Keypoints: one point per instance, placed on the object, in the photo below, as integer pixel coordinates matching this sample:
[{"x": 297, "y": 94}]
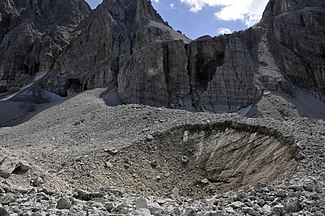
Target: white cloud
[
  {"x": 222, "y": 31},
  {"x": 172, "y": 6},
  {"x": 248, "y": 11},
  {"x": 157, "y": 1}
]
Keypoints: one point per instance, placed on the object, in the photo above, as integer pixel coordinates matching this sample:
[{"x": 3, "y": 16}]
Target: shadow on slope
[{"x": 20, "y": 107}]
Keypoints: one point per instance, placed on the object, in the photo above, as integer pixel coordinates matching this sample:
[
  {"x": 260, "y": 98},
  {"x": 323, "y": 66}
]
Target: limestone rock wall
[
  {"x": 214, "y": 74},
  {"x": 32, "y": 34},
  {"x": 115, "y": 30},
  {"x": 299, "y": 47},
  {"x": 227, "y": 73}
]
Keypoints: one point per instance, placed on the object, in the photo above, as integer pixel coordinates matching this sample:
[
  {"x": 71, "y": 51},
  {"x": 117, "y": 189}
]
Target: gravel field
[{"x": 80, "y": 157}]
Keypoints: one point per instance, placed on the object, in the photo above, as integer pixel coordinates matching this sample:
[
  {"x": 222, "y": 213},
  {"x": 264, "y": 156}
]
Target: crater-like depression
[{"x": 201, "y": 160}]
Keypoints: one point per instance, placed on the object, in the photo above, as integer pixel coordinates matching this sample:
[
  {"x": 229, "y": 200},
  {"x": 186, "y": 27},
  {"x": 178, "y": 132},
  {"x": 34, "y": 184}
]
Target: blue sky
[{"x": 196, "y": 18}]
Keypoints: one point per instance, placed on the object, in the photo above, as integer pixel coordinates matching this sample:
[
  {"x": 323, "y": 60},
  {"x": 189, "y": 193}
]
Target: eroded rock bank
[{"x": 202, "y": 160}]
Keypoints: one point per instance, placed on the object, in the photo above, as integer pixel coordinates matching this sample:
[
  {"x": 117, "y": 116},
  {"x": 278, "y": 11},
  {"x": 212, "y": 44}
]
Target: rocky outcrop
[
  {"x": 222, "y": 72},
  {"x": 115, "y": 30},
  {"x": 207, "y": 74},
  {"x": 154, "y": 74},
  {"x": 227, "y": 73},
  {"x": 296, "y": 35},
  {"x": 32, "y": 34}
]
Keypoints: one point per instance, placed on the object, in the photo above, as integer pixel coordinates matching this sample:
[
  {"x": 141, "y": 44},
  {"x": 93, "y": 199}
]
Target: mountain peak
[{"x": 137, "y": 10}]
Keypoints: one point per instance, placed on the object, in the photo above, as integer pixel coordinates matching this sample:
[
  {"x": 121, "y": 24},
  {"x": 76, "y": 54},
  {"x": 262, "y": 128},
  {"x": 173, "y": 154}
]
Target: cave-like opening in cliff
[
  {"x": 74, "y": 84},
  {"x": 207, "y": 69}
]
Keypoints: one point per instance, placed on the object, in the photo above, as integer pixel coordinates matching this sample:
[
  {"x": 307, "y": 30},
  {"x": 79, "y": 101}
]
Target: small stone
[
  {"x": 292, "y": 205},
  {"x": 266, "y": 209},
  {"x": 36, "y": 182},
  {"x": 185, "y": 160},
  {"x": 205, "y": 181},
  {"x": 278, "y": 209},
  {"x": 109, "y": 206},
  {"x": 108, "y": 164},
  {"x": 237, "y": 204},
  {"x": 122, "y": 209},
  {"x": 249, "y": 211},
  {"x": 299, "y": 156},
  {"x": 7, "y": 199},
  {"x": 161, "y": 201},
  {"x": 3, "y": 212},
  {"x": 260, "y": 202},
  {"x": 252, "y": 192},
  {"x": 153, "y": 164},
  {"x": 185, "y": 136},
  {"x": 309, "y": 186},
  {"x": 141, "y": 203},
  {"x": 149, "y": 137},
  {"x": 155, "y": 209},
  {"x": 63, "y": 203},
  {"x": 296, "y": 187},
  {"x": 230, "y": 210},
  {"x": 7, "y": 166},
  {"x": 281, "y": 193},
  {"x": 175, "y": 191},
  {"x": 112, "y": 151},
  {"x": 300, "y": 145},
  {"x": 142, "y": 212},
  {"x": 267, "y": 93},
  {"x": 23, "y": 166},
  {"x": 82, "y": 195},
  {"x": 241, "y": 195}
]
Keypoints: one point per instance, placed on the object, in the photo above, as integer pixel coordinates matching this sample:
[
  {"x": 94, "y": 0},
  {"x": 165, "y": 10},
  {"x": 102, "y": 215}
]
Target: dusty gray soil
[{"x": 212, "y": 161}]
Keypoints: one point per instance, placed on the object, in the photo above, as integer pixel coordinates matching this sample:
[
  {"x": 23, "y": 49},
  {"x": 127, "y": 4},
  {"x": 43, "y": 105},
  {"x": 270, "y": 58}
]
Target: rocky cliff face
[
  {"x": 206, "y": 74},
  {"x": 114, "y": 31},
  {"x": 32, "y": 34},
  {"x": 296, "y": 36},
  {"x": 285, "y": 51},
  {"x": 126, "y": 47}
]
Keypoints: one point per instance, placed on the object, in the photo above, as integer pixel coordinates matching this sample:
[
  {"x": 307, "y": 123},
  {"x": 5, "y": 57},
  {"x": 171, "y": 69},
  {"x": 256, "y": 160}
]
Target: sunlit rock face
[
  {"x": 126, "y": 47},
  {"x": 115, "y": 30}
]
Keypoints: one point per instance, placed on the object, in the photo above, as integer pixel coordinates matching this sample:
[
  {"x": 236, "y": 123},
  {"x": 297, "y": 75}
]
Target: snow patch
[
  {"x": 50, "y": 97},
  {"x": 244, "y": 111},
  {"x": 208, "y": 111}
]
